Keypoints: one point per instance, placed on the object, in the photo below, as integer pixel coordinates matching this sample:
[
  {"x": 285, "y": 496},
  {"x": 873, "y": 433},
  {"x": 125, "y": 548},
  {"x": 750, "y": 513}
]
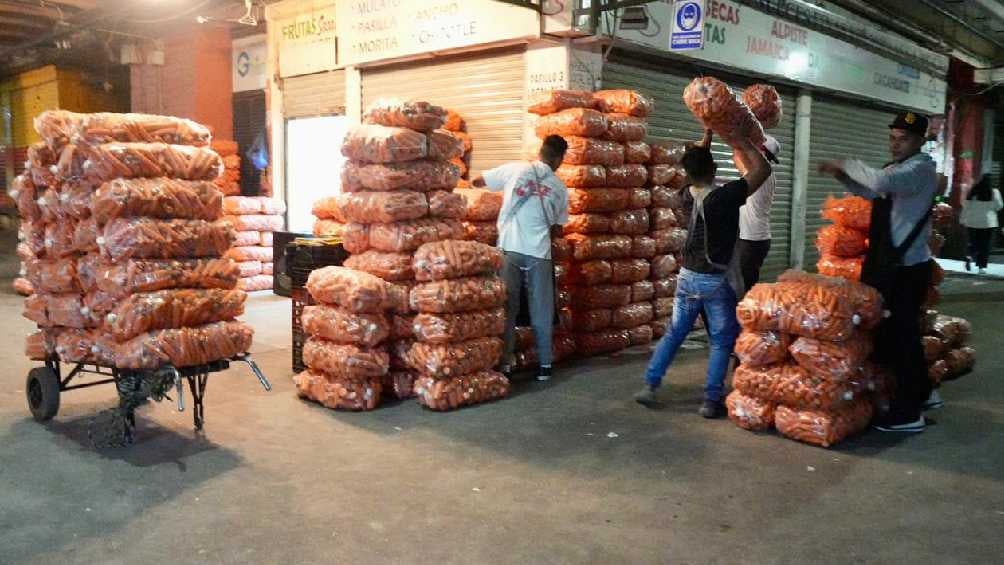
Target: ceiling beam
[
  {"x": 9, "y": 7},
  {"x": 78, "y": 4},
  {"x": 16, "y": 33},
  {"x": 31, "y": 23}
]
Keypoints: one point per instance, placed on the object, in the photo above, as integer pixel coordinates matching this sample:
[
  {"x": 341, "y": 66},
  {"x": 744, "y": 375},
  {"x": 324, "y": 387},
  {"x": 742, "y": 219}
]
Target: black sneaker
[
  {"x": 914, "y": 427},
  {"x": 712, "y": 409},
  {"x": 646, "y": 397},
  {"x": 544, "y": 374},
  {"x": 969, "y": 263}
]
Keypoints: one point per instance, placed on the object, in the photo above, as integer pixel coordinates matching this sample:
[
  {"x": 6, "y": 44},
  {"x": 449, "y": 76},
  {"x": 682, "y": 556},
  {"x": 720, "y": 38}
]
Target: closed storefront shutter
[
  {"x": 320, "y": 94},
  {"x": 841, "y": 129},
  {"x": 672, "y": 120},
  {"x": 249, "y": 121},
  {"x": 486, "y": 89}
]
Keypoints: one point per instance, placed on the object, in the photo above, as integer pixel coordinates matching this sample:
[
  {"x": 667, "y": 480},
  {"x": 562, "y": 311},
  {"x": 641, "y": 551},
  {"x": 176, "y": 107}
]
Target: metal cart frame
[{"x": 44, "y": 386}]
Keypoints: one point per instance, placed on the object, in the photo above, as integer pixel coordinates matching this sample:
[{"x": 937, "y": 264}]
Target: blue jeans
[
  {"x": 696, "y": 292},
  {"x": 537, "y": 275}
]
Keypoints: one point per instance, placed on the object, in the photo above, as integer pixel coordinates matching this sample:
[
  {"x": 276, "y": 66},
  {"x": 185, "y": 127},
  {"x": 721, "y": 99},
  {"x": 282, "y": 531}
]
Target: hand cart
[{"x": 44, "y": 386}]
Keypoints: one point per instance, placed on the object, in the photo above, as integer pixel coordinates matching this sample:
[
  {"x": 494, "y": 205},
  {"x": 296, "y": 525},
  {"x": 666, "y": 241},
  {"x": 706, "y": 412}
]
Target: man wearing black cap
[{"x": 898, "y": 263}]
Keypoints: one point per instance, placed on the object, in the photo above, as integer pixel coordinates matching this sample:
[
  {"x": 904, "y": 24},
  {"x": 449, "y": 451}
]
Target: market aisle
[{"x": 567, "y": 472}]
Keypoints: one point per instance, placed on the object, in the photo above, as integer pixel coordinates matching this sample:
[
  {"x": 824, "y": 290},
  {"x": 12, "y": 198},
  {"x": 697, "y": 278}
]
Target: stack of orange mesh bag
[
  {"x": 456, "y": 125},
  {"x": 254, "y": 219},
  {"x": 397, "y": 195},
  {"x": 669, "y": 217},
  {"x": 229, "y": 182},
  {"x": 843, "y": 244},
  {"x": 608, "y": 230},
  {"x": 328, "y": 218},
  {"x": 346, "y": 353},
  {"x": 125, "y": 245},
  {"x": 947, "y": 347},
  {"x": 460, "y": 315},
  {"x": 803, "y": 351}
]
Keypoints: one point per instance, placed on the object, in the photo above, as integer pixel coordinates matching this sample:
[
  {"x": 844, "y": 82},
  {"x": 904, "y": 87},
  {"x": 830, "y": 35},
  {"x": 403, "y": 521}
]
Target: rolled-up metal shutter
[
  {"x": 840, "y": 129},
  {"x": 320, "y": 94},
  {"x": 672, "y": 120},
  {"x": 249, "y": 121},
  {"x": 485, "y": 88}
]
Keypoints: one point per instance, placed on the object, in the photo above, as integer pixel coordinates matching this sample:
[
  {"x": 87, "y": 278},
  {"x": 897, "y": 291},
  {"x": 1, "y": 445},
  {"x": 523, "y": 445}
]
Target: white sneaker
[
  {"x": 982, "y": 271},
  {"x": 914, "y": 427},
  {"x": 934, "y": 401}
]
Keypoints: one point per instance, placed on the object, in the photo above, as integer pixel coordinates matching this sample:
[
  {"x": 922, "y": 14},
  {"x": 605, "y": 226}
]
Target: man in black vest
[{"x": 898, "y": 263}]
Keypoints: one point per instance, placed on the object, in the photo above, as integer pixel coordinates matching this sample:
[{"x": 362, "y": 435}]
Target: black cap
[{"x": 910, "y": 121}]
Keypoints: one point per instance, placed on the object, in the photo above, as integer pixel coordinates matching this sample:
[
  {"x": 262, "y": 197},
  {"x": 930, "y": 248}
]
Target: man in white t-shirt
[
  {"x": 754, "y": 219},
  {"x": 534, "y": 209}
]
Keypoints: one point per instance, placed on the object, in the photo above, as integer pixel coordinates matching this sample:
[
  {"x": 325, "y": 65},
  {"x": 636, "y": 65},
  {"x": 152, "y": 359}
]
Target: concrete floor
[{"x": 568, "y": 472}]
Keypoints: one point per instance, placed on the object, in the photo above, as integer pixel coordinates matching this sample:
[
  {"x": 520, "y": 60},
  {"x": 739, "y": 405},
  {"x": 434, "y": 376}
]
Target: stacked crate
[
  {"x": 396, "y": 196},
  {"x": 611, "y": 250},
  {"x": 126, "y": 244},
  {"x": 254, "y": 218}
]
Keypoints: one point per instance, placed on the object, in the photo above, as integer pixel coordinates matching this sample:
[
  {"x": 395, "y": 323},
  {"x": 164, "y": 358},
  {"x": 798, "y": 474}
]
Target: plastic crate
[
  {"x": 281, "y": 283},
  {"x": 303, "y": 258},
  {"x": 300, "y": 298}
]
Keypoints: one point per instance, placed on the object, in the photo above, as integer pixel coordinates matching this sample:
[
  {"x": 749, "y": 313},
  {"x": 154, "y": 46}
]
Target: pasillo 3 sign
[{"x": 688, "y": 25}]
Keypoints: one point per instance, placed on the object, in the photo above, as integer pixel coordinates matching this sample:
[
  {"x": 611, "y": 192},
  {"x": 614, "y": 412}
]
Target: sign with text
[
  {"x": 688, "y": 25},
  {"x": 307, "y": 42},
  {"x": 738, "y": 36},
  {"x": 373, "y": 30},
  {"x": 248, "y": 65}
]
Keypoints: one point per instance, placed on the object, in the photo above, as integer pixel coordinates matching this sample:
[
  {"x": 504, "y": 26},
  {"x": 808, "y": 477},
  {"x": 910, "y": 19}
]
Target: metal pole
[{"x": 800, "y": 177}]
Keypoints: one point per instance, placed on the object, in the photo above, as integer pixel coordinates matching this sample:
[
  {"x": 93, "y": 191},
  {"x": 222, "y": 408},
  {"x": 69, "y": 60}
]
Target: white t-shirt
[
  {"x": 754, "y": 216},
  {"x": 528, "y": 229}
]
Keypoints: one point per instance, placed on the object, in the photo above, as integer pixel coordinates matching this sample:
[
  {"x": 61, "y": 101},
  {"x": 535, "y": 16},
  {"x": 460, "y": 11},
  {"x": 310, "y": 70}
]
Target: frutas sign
[{"x": 307, "y": 42}]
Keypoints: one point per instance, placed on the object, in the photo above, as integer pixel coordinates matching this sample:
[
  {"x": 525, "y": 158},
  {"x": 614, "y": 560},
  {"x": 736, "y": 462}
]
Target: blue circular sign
[{"x": 688, "y": 16}]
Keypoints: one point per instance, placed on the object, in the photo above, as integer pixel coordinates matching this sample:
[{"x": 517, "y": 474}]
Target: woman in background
[{"x": 979, "y": 215}]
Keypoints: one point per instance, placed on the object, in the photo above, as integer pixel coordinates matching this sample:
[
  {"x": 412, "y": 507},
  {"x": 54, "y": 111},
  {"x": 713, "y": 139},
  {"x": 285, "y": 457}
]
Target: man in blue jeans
[
  {"x": 534, "y": 209},
  {"x": 710, "y": 279}
]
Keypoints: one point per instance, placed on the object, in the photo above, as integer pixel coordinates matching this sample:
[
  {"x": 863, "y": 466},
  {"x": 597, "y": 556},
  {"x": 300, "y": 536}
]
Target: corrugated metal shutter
[
  {"x": 249, "y": 121},
  {"x": 840, "y": 130},
  {"x": 320, "y": 94},
  {"x": 486, "y": 89},
  {"x": 673, "y": 120}
]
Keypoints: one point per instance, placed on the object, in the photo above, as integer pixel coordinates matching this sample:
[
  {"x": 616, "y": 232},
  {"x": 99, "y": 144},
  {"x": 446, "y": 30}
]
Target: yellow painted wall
[
  {"x": 47, "y": 88},
  {"x": 27, "y": 95},
  {"x": 76, "y": 96}
]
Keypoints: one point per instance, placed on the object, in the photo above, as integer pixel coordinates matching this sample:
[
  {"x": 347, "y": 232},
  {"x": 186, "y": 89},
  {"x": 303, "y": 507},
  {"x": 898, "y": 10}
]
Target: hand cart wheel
[{"x": 42, "y": 390}]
